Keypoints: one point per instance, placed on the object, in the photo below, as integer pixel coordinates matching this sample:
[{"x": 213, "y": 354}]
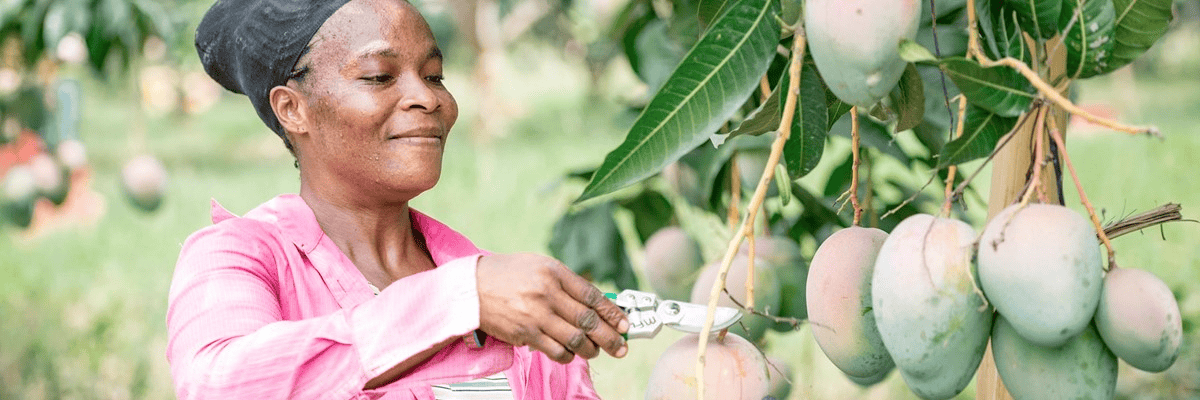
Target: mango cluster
[{"x": 926, "y": 298}]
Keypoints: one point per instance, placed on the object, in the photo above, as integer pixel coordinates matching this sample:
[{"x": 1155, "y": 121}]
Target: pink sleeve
[
  {"x": 549, "y": 380},
  {"x": 227, "y": 339}
]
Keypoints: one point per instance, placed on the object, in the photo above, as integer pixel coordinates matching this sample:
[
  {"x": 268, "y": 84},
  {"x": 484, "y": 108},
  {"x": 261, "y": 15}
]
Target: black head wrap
[{"x": 252, "y": 46}]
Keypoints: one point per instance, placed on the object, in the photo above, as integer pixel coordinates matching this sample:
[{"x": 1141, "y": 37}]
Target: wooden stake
[{"x": 1009, "y": 174}]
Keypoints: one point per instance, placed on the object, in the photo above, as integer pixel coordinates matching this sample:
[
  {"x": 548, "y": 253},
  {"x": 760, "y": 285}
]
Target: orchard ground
[{"x": 82, "y": 309}]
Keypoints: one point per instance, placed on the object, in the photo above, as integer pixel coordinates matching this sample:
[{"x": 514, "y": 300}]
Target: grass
[{"x": 82, "y": 310}]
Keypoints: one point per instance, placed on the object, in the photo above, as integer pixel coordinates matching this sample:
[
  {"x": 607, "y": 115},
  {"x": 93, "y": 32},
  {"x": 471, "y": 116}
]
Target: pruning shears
[{"x": 647, "y": 314}]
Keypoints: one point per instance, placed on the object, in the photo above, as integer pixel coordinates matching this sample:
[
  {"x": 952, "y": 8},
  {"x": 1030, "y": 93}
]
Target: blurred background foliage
[{"x": 545, "y": 88}]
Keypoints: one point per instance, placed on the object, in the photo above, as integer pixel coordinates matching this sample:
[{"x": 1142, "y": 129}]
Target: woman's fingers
[
  {"x": 587, "y": 321},
  {"x": 551, "y": 348},
  {"x": 536, "y": 301},
  {"x": 583, "y": 292},
  {"x": 571, "y": 337}
]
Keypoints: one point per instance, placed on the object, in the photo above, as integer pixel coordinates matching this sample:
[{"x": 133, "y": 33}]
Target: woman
[{"x": 343, "y": 291}]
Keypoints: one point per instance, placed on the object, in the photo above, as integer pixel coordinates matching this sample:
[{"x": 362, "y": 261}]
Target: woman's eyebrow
[
  {"x": 382, "y": 49},
  {"x": 376, "y": 49}
]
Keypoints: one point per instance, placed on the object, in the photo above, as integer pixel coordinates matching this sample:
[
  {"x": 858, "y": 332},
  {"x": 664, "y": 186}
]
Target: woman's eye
[
  {"x": 383, "y": 78},
  {"x": 436, "y": 78}
]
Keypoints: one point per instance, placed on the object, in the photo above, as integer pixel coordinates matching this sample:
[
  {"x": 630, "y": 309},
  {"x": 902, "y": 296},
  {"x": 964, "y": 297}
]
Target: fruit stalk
[
  {"x": 1039, "y": 155},
  {"x": 760, "y": 193},
  {"x": 953, "y": 169},
  {"x": 854, "y": 168},
  {"x": 1062, "y": 151}
]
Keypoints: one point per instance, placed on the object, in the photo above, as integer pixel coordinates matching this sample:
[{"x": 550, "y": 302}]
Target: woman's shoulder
[{"x": 265, "y": 227}]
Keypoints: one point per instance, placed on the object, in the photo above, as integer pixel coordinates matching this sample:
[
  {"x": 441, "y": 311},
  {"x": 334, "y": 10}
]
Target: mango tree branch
[
  {"x": 1043, "y": 88},
  {"x": 760, "y": 193}
]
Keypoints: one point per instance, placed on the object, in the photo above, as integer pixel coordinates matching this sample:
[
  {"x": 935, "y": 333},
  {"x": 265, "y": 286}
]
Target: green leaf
[
  {"x": 872, "y": 134},
  {"x": 982, "y": 131},
  {"x": 651, "y": 212},
  {"x": 1039, "y": 18},
  {"x": 1089, "y": 36},
  {"x": 943, "y": 8},
  {"x": 1000, "y": 31},
  {"x": 629, "y": 25},
  {"x": 951, "y": 40},
  {"x": 1137, "y": 26},
  {"x": 837, "y": 108},
  {"x": 709, "y": 10},
  {"x": 913, "y": 52},
  {"x": 908, "y": 99},
  {"x": 810, "y": 126},
  {"x": 657, "y": 53},
  {"x": 589, "y": 242},
  {"x": 999, "y": 89},
  {"x": 767, "y": 116},
  {"x": 817, "y": 215},
  {"x": 705, "y": 90}
]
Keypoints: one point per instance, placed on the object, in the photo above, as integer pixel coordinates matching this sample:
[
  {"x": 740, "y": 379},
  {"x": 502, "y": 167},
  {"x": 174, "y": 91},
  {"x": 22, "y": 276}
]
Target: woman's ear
[{"x": 290, "y": 109}]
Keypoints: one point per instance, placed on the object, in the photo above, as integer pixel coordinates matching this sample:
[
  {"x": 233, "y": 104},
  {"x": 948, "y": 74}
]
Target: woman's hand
[{"x": 534, "y": 300}]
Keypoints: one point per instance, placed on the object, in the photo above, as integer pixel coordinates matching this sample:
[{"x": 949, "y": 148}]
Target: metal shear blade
[
  {"x": 690, "y": 317},
  {"x": 647, "y": 315}
]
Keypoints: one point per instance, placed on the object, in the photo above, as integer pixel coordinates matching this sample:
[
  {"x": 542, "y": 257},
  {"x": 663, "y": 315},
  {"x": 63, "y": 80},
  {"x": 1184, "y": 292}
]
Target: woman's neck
[{"x": 378, "y": 239}]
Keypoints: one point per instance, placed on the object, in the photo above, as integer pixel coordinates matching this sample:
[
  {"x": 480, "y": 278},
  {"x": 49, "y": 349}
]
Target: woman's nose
[{"x": 418, "y": 95}]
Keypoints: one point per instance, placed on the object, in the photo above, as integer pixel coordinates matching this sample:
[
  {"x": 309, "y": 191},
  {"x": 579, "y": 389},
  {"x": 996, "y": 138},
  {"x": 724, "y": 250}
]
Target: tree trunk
[{"x": 1011, "y": 169}]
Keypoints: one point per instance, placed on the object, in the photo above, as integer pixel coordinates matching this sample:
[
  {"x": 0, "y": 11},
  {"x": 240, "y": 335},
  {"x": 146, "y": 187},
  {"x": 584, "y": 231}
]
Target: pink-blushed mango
[
  {"x": 855, "y": 44},
  {"x": 870, "y": 380},
  {"x": 927, "y": 310},
  {"x": 839, "y": 303},
  {"x": 1081, "y": 368},
  {"x": 766, "y": 293},
  {"x": 1039, "y": 265},
  {"x": 733, "y": 369},
  {"x": 1139, "y": 319},
  {"x": 672, "y": 262}
]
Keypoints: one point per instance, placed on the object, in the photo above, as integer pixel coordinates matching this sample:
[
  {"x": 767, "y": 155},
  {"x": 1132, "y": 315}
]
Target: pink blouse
[{"x": 266, "y": 306}]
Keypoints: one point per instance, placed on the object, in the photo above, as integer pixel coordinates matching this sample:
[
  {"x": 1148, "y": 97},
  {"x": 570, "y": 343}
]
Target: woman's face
[{"x": 377, "y": 110}]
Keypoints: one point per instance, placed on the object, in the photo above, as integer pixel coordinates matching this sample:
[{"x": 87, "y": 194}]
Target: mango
[
  {"x": 870, "y": 380},
  {"x": 144, "y": 180},
  {"x": 855, "y": 45},
  {"x": 926, "y": 307},
  {"x": 1040, "y": 266},
  {"x": 1139, "y": 319},
  {"x": 672, "y": 261},
  {"x": 17, "y": 196},
  {"x": 838, "y": 295},
  {"x": 733, "y": 369},
  {"x": 1081, "y": 368},
  {"x": 766, "y": 293}
]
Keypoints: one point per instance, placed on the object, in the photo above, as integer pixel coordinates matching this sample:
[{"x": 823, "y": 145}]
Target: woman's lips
[
  {"x": 420, "y": 136},
  {"x": 420, "y": 140}
]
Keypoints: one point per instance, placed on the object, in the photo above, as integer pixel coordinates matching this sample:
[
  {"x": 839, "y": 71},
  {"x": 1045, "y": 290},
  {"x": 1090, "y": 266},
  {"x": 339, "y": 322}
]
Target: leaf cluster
[{"x": 717, "y": 71}]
